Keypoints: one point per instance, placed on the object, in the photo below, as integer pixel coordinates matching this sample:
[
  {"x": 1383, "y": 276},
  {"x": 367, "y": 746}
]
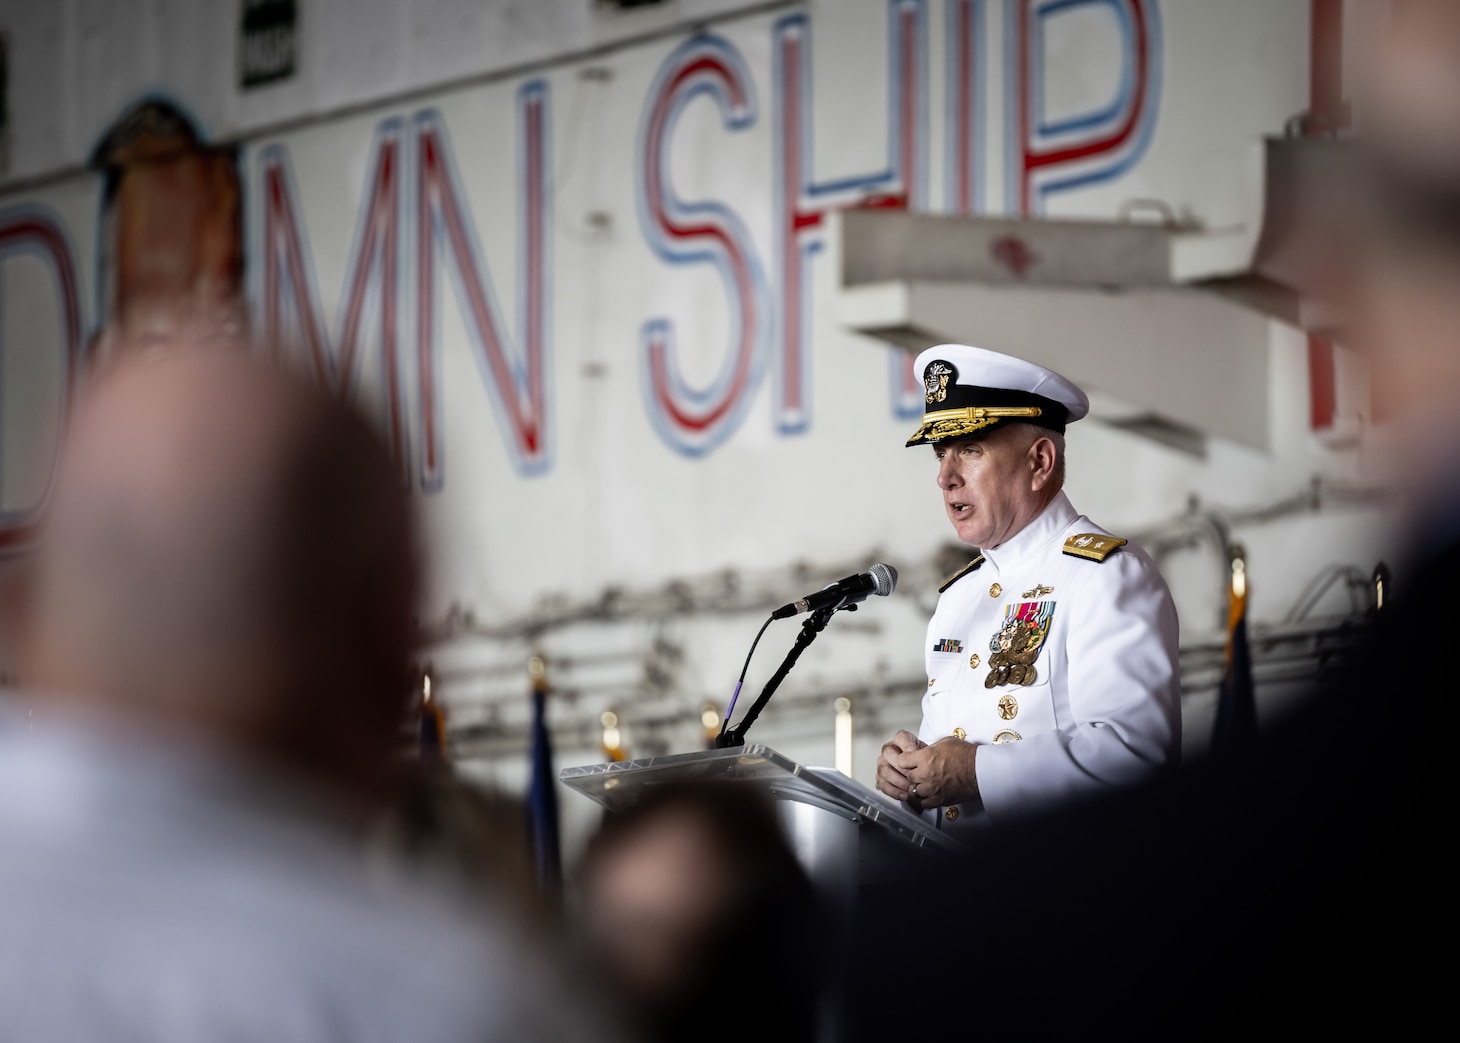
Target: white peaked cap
[{"x": 969, "y": 390}]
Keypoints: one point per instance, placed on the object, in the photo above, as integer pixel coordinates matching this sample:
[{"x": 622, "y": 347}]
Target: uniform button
[
  {"x": 951, "y": 814},
  {"x": 959, "y": 733},
  {"x": 995, "y": 590},
  {"x": 973, "y": 661},
  {"x": 930, "y": 681}
]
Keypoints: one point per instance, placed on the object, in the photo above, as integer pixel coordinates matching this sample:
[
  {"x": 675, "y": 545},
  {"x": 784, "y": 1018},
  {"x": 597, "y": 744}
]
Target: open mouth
[{"x": 960, "y": 510}]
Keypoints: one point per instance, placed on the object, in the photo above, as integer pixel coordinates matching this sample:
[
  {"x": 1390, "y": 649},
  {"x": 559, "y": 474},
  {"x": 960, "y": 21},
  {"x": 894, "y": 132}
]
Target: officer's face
[{"x": 988, "y": 490}]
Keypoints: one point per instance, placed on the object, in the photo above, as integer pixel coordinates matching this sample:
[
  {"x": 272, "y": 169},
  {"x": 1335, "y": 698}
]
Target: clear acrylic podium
[{"x": 844, "y": 833}]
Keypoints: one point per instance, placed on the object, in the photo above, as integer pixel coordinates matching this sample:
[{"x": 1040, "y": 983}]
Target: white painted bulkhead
[{"x": 639, "y": 558}]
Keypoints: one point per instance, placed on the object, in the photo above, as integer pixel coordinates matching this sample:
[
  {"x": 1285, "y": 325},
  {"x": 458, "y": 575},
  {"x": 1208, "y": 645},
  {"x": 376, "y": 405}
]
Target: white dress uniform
[
  {"x": 1102, "y": 705},
  {"x": 1056, "y": 651}
]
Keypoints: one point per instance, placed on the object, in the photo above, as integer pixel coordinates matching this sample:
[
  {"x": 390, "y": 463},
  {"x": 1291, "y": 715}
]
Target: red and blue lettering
[
  {"x": 290, "y": 299},
  {"x": 802, "y": 202},
  {"x": 908, "y": 393},
  {"x": 517, "y": 380},
  {"x": 37, "y": 232},
  {"x": 963, "y": 73},
  {"x": 413, "y": 212},
  {"x": 696, "y": 420},
  {"x": 1050, "y": 155}
]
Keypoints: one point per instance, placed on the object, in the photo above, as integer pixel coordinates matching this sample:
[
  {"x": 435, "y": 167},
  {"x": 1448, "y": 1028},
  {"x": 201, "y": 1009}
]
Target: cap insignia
[{"x": 936, "y": 378}]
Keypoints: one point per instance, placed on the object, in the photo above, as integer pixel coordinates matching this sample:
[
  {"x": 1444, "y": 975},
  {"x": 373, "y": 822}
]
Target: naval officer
[{"x": 1052, "y": 655}]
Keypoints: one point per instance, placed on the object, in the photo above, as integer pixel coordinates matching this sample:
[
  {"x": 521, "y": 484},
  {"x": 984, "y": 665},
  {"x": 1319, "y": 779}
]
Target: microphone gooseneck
[{"x": 879, "y": 580}]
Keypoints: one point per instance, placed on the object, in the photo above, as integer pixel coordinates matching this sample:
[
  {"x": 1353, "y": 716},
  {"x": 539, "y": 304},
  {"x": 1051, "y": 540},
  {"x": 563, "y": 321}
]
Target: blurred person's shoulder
[{"x": 146, "y": 893}]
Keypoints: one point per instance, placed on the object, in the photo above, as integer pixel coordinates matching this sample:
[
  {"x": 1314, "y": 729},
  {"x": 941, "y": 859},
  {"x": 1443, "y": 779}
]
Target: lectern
[{"x": 844, "y": 833}]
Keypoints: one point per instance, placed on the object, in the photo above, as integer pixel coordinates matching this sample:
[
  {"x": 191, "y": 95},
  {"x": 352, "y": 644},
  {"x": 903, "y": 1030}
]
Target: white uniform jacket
[{"x": 1101, "y": 707}]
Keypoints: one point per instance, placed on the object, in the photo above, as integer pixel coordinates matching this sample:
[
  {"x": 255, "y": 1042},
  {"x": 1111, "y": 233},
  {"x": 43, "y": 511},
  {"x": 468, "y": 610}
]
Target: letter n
[{"x": 516, "y": 379}]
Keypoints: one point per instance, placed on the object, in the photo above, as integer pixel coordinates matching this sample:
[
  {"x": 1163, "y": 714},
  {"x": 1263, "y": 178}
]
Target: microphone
[{"x": 880, "y": 579}]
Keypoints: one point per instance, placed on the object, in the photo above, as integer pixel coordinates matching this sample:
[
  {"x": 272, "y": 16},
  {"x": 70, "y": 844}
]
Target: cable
[{"x": 725, "y": 726}]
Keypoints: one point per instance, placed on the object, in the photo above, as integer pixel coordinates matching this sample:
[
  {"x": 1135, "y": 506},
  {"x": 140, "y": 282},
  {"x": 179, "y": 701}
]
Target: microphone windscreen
[{"x": 885, "y": 576}]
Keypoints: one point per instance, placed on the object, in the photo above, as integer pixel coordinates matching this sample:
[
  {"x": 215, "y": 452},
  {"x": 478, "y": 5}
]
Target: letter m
[
  {"x": 413, "y": 177},
  {"x": 368, "y": 302}
]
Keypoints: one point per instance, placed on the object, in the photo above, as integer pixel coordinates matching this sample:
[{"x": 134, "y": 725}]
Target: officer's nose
[{"x": 947, "y": 473}]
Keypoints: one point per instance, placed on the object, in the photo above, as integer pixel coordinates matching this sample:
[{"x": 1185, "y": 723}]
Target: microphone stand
[{"x": 814, "y": 624}]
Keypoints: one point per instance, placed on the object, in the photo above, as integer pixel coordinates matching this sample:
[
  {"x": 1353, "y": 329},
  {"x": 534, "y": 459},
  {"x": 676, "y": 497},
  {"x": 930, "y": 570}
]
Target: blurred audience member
[
  {"x": 707, "y": 926},
  {"x": 1406, "y": 308},
  {"x": 471, "y": 839},
  {"x": 213, "y": 656}
]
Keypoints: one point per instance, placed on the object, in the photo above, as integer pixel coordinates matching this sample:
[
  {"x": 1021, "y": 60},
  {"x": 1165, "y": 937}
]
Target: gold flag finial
[
  {"x": 1239, "y": 571},
  {"x": 613, "y": 743},
  {"x": 537, "y": 672}
]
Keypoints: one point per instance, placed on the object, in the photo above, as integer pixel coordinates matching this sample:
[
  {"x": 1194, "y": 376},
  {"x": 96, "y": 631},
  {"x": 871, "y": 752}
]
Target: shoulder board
[
  {"x": 972, "y": 566},
  {"x": 1093, "y": 545}
]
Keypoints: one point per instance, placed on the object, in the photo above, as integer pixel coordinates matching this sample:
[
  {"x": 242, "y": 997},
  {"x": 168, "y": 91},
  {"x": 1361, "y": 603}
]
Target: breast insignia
[
  {"x": 1016, "y": 645},
  {"x": 1095, "y": 546},
  {"x": 972, "y": 566}
]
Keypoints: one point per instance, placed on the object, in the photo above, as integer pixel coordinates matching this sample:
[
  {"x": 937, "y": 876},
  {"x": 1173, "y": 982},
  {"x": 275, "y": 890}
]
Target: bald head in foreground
[
  {"x": 230, "y": 555},
  {"x": 214, "y": 640}
]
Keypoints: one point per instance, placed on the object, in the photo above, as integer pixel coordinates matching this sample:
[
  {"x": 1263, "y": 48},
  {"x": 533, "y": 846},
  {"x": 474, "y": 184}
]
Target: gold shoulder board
[
  {"x": 972, "y": 566},
  {"x": 1093, "y": 545}
]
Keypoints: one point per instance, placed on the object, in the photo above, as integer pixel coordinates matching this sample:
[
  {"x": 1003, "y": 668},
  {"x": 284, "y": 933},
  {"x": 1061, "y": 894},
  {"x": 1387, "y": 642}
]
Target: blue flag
[{"x": 542, "y": 800}]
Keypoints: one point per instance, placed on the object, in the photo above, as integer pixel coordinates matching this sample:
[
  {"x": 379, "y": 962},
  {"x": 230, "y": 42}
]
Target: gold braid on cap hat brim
[{"x": 942, "y": 424}]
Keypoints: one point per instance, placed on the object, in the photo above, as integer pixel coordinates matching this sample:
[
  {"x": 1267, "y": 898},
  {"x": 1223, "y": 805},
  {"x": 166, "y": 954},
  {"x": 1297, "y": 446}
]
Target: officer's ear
[{"x": 1043, "y": 462}]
